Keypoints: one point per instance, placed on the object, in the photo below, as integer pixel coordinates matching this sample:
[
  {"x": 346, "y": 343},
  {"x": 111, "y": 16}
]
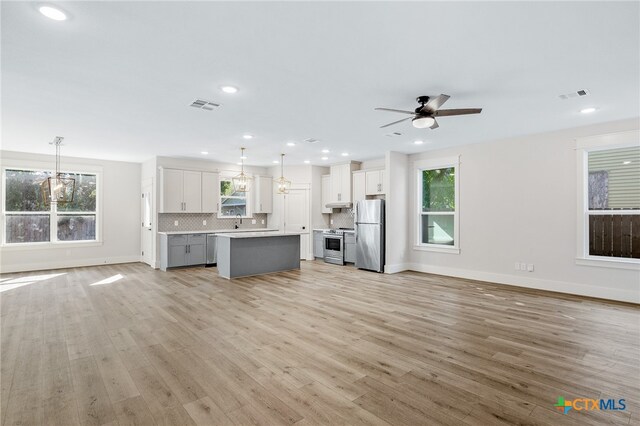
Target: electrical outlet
[
  {"x": 530, "y": 267},
  {"x": 175, "y": 223},
  {"x": 204, "y": 222},
  {"x": 253, "y": 221},
  {"x": 332, "y": 221},
  {"x": 517, "y": 266},
  {"x": 263, "y": 221},
  {"x": 523, "y": 266}
]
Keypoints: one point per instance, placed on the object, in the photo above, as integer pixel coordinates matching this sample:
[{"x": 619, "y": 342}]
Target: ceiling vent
[
  {"x": 311, "y": 140},
  {"x": 202, "y": 104},
  {"x": 393, "y": 135},
  {"x": 577, "y": 94}
]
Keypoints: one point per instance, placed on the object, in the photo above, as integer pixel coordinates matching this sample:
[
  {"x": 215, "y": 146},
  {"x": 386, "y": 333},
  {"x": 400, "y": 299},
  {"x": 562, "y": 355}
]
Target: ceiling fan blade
[
  {"x": 396, "y": 122},
  {"x": 395, "y": 110},
  {"x": 434, "y": 125},
  {"x": 435, "y": 103},
  {"x": 461, "y": 111}
]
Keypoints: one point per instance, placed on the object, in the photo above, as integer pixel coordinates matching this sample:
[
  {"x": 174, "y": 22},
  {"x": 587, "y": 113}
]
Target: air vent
[
  {"x": 393, "y": 135},
  {"x": 311, "y": 140},
  {"x": 202, "y": 104},
  {"x": 576, "y": 94}
]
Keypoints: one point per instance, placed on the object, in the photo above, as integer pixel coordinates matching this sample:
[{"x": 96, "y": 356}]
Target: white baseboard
[
  {"x": 398, "y": 267},
  {"x": 67, "y": 263},
  {"x": 600, "y": 292}
]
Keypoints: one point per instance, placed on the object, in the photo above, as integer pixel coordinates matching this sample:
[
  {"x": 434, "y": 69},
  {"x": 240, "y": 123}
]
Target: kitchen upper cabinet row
[
  {"x": 188, "y": 191},
  {"x": 367, "y": 182},
  {"x": 340, "y": 182}
]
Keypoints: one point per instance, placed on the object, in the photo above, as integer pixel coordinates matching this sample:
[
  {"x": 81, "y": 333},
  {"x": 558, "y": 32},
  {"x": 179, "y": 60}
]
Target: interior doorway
[
  {"x": 296, "y": 217},
  {"x": 146, "y": 212}
]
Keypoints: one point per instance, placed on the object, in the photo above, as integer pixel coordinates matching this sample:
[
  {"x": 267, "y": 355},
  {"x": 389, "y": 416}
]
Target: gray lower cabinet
[
  {"x": 318, "y": 244},
  {"x": 349, "y": 247},
  {"x": 182, "y": 250}
]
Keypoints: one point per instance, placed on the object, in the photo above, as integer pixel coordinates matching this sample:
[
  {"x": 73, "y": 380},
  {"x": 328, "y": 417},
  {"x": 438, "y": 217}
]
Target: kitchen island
[{"x": 255, "y": 253}]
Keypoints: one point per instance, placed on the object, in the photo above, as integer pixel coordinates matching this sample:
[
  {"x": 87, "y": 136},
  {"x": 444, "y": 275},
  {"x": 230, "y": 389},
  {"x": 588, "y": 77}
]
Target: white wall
[
  {"x": 396, "y": 181},
  {"x": 120, "y": 230},
  {"x": 518, "y": 204}
]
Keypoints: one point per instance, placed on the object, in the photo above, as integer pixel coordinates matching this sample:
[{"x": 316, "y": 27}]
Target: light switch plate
[
  {"x": 204, "y": 222},
  {"x": 523, "y": 266},
  {"x": 263, "y": 221},
  {"x": 517, "y": 266},
  {"x": 530, "y": 267},
  {"x": 253, "y": 221},
  {"x": 332, "y": 221},
  {"x": 175, "y": 223}
]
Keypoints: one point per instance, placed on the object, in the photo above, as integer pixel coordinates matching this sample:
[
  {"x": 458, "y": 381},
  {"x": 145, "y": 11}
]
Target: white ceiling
[{"x": 116, "y": 79}]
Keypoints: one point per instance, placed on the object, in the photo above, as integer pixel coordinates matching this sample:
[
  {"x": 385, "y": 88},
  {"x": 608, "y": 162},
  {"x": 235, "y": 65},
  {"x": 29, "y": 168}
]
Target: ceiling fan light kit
[{"x": 425, "y": 115}]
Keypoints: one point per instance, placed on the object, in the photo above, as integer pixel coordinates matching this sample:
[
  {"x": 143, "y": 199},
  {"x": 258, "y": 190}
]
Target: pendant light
[
  {"x": 58, "y": 189},
  {"x": 242, "y": 182},
  {"x": 283, "y": 184}
]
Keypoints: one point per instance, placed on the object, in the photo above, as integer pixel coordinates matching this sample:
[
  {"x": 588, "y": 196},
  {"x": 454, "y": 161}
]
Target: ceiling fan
[{"x": 425, "y": 115}]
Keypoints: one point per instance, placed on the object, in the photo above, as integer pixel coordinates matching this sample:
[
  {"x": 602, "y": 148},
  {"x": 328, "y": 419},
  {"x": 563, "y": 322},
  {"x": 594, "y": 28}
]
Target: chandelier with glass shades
[
  {"x": 242, "y": 182},
  {"x": 58, "y": 189},
  {"x": 282, "y": 184}
]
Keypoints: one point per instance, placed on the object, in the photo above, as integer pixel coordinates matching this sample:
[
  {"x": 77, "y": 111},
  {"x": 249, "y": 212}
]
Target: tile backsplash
[
  {"x": 343, "y": 219},
  {"x": 193, "y": 222}
]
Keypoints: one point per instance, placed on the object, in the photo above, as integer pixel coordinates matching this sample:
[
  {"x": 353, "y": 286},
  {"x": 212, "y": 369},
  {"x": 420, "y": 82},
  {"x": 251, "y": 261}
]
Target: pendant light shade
[
  {"x": 282, "y": 184},
  {"x": 241, "y": 182},
  {"x": 58, "y": 189}
]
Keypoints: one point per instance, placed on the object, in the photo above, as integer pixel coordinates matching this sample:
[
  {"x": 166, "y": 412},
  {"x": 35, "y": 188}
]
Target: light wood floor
[{"x": 126, "y": 344}]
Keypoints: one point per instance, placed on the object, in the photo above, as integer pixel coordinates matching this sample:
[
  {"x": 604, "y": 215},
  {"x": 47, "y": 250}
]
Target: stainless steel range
[{"x": 334, "y": 246}]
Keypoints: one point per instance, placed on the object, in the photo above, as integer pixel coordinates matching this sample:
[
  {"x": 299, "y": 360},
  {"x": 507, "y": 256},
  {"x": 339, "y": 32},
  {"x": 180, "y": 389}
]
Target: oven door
[{"x": 333, "y": 249}]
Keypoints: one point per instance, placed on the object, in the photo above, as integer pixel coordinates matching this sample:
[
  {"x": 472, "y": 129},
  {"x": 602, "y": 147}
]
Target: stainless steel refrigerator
[{"x": 370, "y": 235}]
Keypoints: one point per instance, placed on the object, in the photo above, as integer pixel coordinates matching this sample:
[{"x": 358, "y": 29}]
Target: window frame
[
  {"x": 433, "y": 164},
  {"x": 584, "y": 146},
  {"x": 248, "y": 197},
  {"x": 12, "y": 164}
]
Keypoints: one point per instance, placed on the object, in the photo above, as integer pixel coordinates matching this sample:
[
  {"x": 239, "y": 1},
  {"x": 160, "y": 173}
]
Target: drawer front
[
  {"x": 349, "y": 238},
  {"x": 197, "y": 238},
  {"x": 177, "y": 240}
]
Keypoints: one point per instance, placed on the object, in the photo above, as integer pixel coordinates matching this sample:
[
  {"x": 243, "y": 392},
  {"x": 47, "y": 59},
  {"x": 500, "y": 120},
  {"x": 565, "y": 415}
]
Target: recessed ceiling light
[
  {"x": 325, "y": 158},
  {"x": 418, "y": 142},
  {"x": 53, "y": 13},
  {"x": 344, "y": 154},
  {"x": 587, "y": 110},
  {"x": 275, "y": 161},
  {"x": 204, "y": 152},
  {"x": 325, "y": 151},
  {"x": 291, "y": 144},
  {"x": 247, "y": 136},
  {"x": 307, "y": 161},
  {"x": 626, "y": 162},
  {"x": 229, "y": 89}
]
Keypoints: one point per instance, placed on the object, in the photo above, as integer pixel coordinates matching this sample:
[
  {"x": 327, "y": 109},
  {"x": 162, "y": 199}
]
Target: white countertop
[
  {"x": 220, "y": 231},
  {"x": 259, "y": 234},
  {"x": 329, "y": 229}
]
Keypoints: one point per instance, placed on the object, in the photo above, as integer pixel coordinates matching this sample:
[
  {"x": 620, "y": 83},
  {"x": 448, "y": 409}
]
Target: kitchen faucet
[{"x": 238, "y": 216}]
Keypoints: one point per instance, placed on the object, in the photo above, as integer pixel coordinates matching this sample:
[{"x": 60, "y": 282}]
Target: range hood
[{"x": 339, "y": 205}]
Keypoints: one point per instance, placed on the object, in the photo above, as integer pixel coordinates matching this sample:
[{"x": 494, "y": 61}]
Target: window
[
  {"x": 28, "y": 219},
  {"x": 437, "y": 204},
  {"x": 608, "y": 216},
  {"x": 613, "y": 202},
  {"x": 232, "y": 203}
]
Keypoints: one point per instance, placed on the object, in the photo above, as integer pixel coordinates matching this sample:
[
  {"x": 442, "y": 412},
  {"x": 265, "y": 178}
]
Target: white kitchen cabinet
[
  {"x": 326, "y": 193},
  {"x": 375, "y": 182},
  {"x": 359, "y": 185},
  {"x": 341, "y": 182},
  {"x": 210, "y": 192},
  {"x": 180, "y": 191},
  {"x": 263, "y": 194}
]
